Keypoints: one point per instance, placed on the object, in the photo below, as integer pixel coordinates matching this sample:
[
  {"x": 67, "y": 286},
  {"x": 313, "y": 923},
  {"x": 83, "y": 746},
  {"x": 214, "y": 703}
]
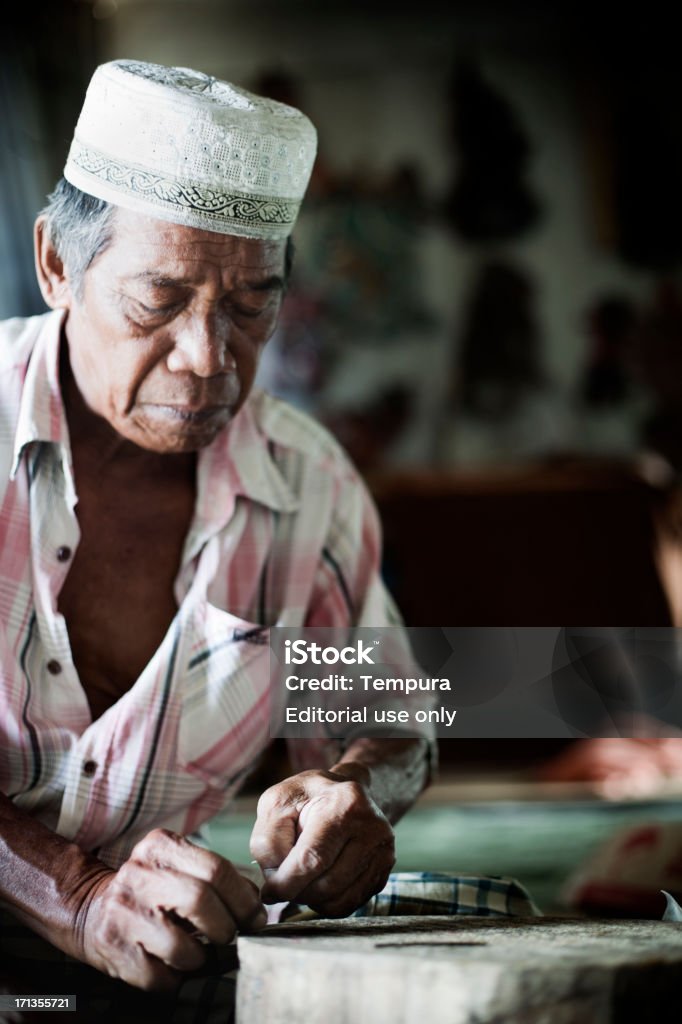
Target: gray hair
[{"x": 80, "y": 227}]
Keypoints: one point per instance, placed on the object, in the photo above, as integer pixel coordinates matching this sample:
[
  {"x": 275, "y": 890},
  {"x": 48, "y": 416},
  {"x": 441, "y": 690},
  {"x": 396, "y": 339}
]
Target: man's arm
[
  {"x": 323, "y": 838},
  {"x": 133, "y": 923},
  {"x": 394, "y": 772},
  {"x": 45, "y": 879}
]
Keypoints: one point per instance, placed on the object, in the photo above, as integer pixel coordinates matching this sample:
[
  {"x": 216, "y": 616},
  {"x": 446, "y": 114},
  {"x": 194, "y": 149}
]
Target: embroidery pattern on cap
[{"x": 232, "y": 206}]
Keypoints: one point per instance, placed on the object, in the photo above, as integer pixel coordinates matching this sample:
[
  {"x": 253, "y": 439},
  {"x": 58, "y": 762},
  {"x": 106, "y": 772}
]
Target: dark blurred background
[{"x": 486, "y": 306}]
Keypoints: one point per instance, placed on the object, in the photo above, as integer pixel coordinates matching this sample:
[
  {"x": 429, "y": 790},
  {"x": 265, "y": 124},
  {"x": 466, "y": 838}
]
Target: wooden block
[{"x": 466, "y": 970}]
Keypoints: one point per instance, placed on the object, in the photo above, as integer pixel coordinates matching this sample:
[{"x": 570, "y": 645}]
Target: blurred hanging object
[
  {"x": 500, "y": 359},
  {"x": 503, "y": 407},
  {"x": 489, "y": 200},
  {"x": 607, "y": 380},
  {"x": 367, "y": 433}
]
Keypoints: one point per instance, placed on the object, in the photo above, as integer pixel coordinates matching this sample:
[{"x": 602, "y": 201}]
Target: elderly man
[{"x": 156, "y": 517}]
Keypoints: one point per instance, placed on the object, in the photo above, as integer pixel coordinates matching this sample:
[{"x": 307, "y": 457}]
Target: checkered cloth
[
  {"x": 429, "y": 892},
  {"x": 27, "y": 961}
]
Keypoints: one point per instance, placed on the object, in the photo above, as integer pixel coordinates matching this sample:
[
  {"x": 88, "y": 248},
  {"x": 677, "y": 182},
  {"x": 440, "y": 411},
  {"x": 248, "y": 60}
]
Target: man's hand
[
  {"x": 142, "y": 922},
  {"x": 617, "y": 768},
  {"x": 321, "y": 840}
]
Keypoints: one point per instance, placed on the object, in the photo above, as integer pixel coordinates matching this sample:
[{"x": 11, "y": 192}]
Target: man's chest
[{"x": 118, "y": 597}]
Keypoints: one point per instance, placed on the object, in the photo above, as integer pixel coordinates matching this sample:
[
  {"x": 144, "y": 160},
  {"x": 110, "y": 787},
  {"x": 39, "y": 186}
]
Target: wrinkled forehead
[{"x": 149, "y": 248}]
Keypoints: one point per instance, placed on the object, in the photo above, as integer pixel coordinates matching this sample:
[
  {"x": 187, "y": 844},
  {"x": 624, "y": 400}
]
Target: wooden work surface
[{"x": 401, "y": 970}]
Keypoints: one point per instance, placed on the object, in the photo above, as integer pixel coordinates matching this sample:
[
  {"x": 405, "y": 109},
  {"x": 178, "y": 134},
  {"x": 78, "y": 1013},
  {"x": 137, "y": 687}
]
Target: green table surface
[{"x": 538, "y": 842}]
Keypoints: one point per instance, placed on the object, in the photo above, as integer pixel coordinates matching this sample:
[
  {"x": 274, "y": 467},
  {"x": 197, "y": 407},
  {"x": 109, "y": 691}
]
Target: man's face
[{"x": 165, "y": 339}]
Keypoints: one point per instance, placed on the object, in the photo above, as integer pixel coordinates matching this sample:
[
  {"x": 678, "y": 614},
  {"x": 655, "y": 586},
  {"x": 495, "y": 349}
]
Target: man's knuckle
[
  {"x": 258, "y": 844},
  {"x": 202, "y": 904},
  {"x": 387, "y": 843},
  {"x": 126, "y": 898},
  {"x": 162, "y": 834},
  {"x": 216, "y": 869},
  {"x": 121, "y": 893},
  {"x": 149, "y": 844},
  {"x": 312, "y": 860},
  {"x": 125, "y": 874},
  {"x": 195, "y": 894},
  {"x": 110, "y": 934},
  {"x": 268, "y": 799},
  {"x": 354, "y": 791},
  {"x": 140, "y": 850}
]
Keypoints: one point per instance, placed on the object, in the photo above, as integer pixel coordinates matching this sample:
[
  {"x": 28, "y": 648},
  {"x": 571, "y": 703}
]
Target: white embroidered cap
[{"x": 182, "y": 146}]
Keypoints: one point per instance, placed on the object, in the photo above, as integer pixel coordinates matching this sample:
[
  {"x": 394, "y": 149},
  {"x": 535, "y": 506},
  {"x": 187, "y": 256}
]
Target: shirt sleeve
[{"x": 348, "y": 591}]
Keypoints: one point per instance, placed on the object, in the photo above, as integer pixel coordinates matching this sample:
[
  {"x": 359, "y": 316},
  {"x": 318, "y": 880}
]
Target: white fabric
[{"x": 182, "y": 146}]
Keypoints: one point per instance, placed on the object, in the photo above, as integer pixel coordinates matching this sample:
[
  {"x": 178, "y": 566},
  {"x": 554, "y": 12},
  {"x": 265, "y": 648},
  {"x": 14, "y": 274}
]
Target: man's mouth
[{"x": 190, "y": 414}]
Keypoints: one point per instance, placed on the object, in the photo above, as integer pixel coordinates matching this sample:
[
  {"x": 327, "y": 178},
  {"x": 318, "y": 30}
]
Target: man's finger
[
  {"x": 189, "y": 899},
  {"x": 165, "y": 940},
  {"x": 273, "y": 836},
  {"x": 138, "y": 967},
  {"x": 170, "y": 853},
  {"x": 142, "y": 946},
  {"x": 357, "y": 867},
  {"x": 358, "y": 893},
  {"x": 314, "y": 852}
]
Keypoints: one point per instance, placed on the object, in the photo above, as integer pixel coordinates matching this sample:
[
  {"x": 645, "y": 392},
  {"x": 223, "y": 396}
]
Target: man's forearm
[
  {"x": 44, "y": 878},
  {"x": 394, "y": 771}
]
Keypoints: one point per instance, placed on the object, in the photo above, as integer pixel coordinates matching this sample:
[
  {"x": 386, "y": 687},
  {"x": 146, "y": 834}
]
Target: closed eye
[
  {"x": 252, "y": 314},
  {"x": 141, "y": 313},
  {"x": 158, "y": 310}
]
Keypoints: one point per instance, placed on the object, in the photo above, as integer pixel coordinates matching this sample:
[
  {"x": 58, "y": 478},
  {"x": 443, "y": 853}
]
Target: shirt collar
[{"x": 41, "y": 411}]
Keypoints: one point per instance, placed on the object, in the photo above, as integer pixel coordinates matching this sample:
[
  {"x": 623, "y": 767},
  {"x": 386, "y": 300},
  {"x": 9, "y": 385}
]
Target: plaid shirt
[{"x": 283, "y": 533}]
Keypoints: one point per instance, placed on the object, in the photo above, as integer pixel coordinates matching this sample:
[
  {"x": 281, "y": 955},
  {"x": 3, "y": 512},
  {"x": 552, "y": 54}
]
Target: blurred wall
[{"x": 47, "y": 54}]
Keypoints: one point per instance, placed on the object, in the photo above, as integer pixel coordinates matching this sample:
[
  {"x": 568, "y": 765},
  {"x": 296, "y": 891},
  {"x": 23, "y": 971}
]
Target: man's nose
[{"x": 201, "y": 346}]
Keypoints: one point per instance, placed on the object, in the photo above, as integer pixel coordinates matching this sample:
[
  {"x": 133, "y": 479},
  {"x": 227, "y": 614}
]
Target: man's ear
[{"x": 52, "y": 279}]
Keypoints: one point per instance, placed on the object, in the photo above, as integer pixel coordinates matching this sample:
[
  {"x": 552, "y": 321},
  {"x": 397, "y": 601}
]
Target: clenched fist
[
  {"x": 321, "y": 840},
  {"x": 146, "y": 923}
]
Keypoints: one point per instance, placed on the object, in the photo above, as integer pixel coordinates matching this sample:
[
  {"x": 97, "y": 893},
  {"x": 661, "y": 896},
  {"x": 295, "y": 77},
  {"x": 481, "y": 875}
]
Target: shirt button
[
  {"x": 89, "y": 767},
  {"x": 63, "y": 553},
  {"x": 54, "y": 667}
]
